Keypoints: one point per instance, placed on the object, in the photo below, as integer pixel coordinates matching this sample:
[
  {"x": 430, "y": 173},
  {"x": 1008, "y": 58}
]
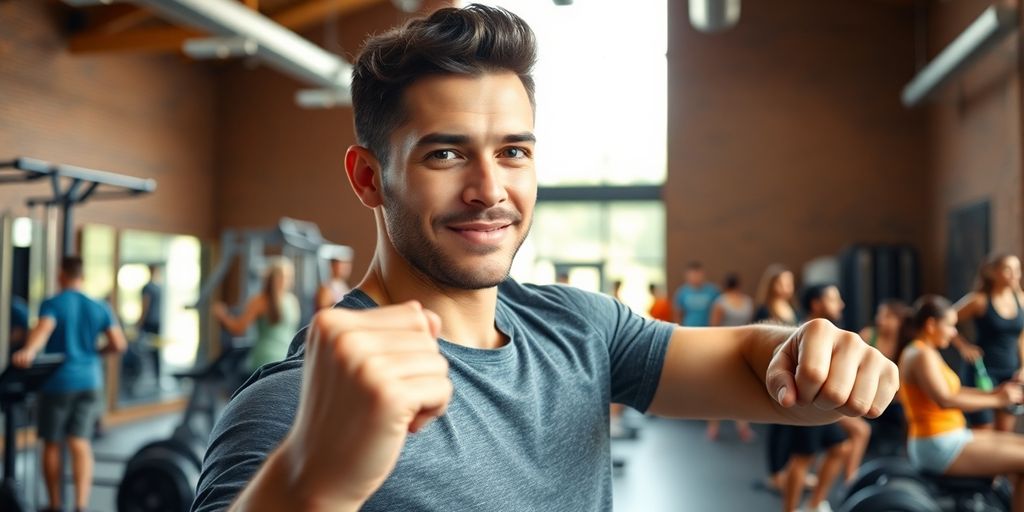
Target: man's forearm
[
  {"x": 37, "y": 340},
  {"x": 274, "y": 488},
  {"x": 719, "y": 373}
]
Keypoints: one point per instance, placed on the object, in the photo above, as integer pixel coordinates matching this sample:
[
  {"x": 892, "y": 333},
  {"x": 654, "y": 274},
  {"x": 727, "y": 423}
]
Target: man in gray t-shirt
[
  {"x": 441, "y": 384},
  {"x": 528, "y": 421}
]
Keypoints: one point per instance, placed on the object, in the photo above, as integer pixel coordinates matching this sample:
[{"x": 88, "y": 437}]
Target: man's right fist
[{"x": 371, "y": 377}]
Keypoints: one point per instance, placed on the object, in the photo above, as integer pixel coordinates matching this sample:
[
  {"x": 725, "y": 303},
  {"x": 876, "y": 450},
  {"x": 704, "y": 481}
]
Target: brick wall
[
  {"x": 974, "y": 135},
  {"x": 786, "y": 137},
  {"x": 276, "y": 159},
  {"x": 147, "y": 116}
]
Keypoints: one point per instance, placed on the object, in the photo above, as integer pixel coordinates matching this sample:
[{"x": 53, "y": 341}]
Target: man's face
[
  {"x": 458, "y": 199},
  {"x": 694, "y": 276}
]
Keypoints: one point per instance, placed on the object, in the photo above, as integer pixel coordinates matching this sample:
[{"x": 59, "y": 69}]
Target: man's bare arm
[
  {"x": 115, "y": 341},
  {"x": 739, "y": 373},
  {"x": 36, "y": 341}
]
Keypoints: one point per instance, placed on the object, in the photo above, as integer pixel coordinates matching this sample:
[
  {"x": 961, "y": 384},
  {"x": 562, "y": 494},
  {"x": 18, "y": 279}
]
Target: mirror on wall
[{"x": 157, "y": 283}]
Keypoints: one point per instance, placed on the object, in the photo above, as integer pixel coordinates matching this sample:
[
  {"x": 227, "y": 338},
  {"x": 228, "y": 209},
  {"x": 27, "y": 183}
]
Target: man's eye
[
  {"x": 513, "y": 153},
  {"x": 443, "y": 154}
]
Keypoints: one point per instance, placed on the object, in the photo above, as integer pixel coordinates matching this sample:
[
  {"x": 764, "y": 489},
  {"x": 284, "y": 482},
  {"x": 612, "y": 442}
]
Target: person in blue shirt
[
  {"x": 69, "y": 324},
  {"x": 694, "y": 298},
  {"x": 151, "y": 318}
]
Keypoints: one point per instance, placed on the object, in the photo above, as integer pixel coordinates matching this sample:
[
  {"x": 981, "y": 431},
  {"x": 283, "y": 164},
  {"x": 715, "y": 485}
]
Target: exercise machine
[{"x": 892, "y": 484}]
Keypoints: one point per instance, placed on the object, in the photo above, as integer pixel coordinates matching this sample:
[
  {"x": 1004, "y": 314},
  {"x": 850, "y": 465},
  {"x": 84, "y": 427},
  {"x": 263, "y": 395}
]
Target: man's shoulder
[
  {"x": 552, "y": 302},
  {"x": 513, "y": 292},
  {"x": 250, "y": 427}
]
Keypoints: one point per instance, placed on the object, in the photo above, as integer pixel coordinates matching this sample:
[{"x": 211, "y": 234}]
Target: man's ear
[{"x": 364, "y": 174}]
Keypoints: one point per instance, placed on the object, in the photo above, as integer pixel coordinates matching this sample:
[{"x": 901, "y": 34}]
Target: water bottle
[{"x": 981, "y": 379}]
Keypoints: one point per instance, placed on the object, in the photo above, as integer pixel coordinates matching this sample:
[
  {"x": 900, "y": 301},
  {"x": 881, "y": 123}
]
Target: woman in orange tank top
[{"x": 939, "y": 441}]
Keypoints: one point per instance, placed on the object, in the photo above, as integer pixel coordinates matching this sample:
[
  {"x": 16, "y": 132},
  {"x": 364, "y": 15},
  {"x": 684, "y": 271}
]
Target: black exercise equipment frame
[
  {"x": 82, "y": 186},
  {"x": 15, "y": 386}
]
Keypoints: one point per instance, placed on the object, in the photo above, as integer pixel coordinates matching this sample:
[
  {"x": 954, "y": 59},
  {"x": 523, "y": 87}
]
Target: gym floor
[
  {"x": 670, "y": 467},
  {"x": 115, "y": 447}
]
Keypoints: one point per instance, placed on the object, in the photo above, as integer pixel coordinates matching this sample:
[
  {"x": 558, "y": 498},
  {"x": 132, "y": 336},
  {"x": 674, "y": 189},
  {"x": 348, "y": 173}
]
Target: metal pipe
[
  {"x": 50, "y": 251},
  {"x": 106, "y": 178},
  {"x": 277, "y": 46},
  {"x": 997, "y": 22},
  {"x": 220, "y": 47}
]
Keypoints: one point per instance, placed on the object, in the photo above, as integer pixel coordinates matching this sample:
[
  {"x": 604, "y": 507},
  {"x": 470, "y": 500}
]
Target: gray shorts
[
  {"x": 71, "y": 414},
  {"x": 935, "y": 454}
]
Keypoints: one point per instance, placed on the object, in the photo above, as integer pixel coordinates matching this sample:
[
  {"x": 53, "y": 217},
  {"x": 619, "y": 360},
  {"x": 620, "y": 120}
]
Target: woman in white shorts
[{"x": 939, "y": 441}]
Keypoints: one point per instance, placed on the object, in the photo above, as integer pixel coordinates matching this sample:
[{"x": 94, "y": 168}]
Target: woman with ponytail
[
  {"x": 939, "y": 441},
  {"x": 275, "y": 311},
  {"x": 995, "y": 308}
]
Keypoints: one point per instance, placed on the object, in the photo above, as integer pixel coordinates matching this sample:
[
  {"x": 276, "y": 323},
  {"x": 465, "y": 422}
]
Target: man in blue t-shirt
[
  {"x": 694, "y": 298},
  {"x": 69, "y": 324},
  {"x": 439, "y": 383}
]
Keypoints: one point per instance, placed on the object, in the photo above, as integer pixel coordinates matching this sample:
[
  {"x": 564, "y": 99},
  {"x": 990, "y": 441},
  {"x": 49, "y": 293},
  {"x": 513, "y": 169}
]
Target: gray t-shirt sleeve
[
  {"x": 251, "y": 427},
  {"x": 636, "y": 347}
]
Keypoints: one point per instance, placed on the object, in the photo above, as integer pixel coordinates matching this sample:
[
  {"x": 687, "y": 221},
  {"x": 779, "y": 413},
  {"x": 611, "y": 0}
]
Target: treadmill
[{"x": 15, "y": 386}]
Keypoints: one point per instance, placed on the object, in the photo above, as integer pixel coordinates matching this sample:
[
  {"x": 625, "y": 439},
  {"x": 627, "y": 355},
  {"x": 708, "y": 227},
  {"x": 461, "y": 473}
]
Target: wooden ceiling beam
[
  {"x": 152, "y": 40},
  {"x": 170, "y": 39},
  {"x": 118, "y": 18},
  {"x": 311, "y": 12}
]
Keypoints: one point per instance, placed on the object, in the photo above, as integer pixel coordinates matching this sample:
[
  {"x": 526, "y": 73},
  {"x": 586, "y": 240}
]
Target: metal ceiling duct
[
  {"x": 220, "y": 48},
  {"x": 323, "y": 98},
  {"x": 279, "y": 47},
  {"x": 714, "y": 15},
  {"x": 997, "y": 22}
]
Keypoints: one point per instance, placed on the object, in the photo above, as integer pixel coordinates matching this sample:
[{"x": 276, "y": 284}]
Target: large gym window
[
  {"x": 601, "y": 81},
  {"x": 179, "y": 258},
  {"x": 602, "y": 86}
]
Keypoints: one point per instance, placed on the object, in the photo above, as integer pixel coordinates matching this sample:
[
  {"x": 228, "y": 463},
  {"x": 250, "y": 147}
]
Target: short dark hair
[
  {"x": 732, "y": 281},
  {"x": 71, "y": 267},
  {"x": 813, "y": 293},
  {"x": 469, "y": 41}
]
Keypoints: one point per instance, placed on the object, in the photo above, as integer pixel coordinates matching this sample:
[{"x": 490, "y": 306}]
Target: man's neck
[
  {"x": 71, "y": 287},
  {"x": 467, "y": 316}
]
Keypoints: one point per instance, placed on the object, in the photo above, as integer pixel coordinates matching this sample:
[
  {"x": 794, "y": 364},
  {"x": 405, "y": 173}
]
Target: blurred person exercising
[
  {"x": 939, "y": 441},
  {"x": 995, "y": 308},
  {"x": 69, "y": 403}
]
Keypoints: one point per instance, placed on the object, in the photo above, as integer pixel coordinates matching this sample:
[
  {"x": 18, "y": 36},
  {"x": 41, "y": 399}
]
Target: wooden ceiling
[{"x": 125, "y": 27}]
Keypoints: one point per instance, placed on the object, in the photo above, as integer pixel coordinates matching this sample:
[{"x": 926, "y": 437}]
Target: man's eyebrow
[
  {"x": 443, "y": 138},
  {"x": 462, "y": 140},
  {"x": 519, "y": 137}
]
